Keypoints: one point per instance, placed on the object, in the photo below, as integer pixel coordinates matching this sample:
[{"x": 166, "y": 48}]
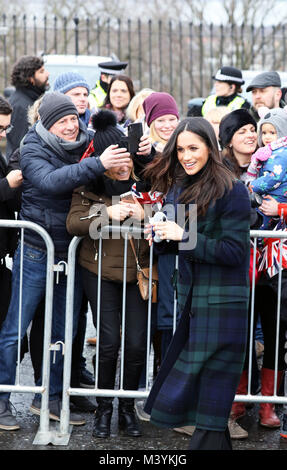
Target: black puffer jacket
[
  {"x": 20, "y": 100},
  {"x": 9, "y": 204}
]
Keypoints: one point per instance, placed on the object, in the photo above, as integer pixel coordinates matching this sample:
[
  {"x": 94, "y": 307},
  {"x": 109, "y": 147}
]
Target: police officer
[
  {"x": 107, "y": 69},
  {"x": 228, "y": 82}
]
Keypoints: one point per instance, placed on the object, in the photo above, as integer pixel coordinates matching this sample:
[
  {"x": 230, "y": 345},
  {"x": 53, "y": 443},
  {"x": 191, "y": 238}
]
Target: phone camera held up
[
  {"x": 255, "y": 200},
  {"x": 132, "y": 140},
  {"x": 158, "y": 217}
]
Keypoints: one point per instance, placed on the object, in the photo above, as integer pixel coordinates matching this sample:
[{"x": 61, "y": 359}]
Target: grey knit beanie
[
  {"x": 69, "y": 80},
  {"x": 278, "y": 118},
  {"x": 54, "y": 106}
]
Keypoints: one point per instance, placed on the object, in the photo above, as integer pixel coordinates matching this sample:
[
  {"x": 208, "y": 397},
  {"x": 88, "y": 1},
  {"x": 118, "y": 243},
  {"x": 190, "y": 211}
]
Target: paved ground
[{"x": 153, "y": 439}]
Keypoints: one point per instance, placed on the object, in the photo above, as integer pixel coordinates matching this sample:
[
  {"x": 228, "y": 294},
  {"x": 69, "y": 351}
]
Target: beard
[{"x": 44, "y": 86}]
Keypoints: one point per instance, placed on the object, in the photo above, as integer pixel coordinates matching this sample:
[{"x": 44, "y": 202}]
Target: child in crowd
[
  {"x": 268, "y": 168},
  {"x": 215, "y": 115}
]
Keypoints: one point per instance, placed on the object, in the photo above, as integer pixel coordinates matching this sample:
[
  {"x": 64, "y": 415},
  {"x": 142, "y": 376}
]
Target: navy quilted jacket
[{"x": 49, "y": 181}]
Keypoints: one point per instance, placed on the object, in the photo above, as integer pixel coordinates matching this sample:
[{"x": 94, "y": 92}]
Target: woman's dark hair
[
  {"x": 230, "y": 158},
  {"x": 25, "y": 69},
  {"x": 122, "y": 78},
  {"x": 238, "y": 88},
  {"x": 165, "y": 170}
]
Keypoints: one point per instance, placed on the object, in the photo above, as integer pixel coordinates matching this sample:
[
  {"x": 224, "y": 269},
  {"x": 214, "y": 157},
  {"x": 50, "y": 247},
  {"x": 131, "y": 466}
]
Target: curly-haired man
[{"x": 31, "y": 80}]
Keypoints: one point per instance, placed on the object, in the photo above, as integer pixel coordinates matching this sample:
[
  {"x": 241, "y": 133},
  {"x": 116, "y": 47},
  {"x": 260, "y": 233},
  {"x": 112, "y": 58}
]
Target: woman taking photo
[
  {"x": 119, "y": 95},
  {"x": 198, "y": 378}
]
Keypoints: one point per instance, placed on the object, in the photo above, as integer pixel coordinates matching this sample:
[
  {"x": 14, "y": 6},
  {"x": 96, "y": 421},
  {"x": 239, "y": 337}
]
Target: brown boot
[
  {"x": 238, "y": 408},
  {"x": 268, "y": 417}
]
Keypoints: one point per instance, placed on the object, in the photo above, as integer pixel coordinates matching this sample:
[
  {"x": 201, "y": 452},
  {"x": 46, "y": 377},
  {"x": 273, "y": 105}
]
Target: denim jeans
[{"x": 33, "y": 291}]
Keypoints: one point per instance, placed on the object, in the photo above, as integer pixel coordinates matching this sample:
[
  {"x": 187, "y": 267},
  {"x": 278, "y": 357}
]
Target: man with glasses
[
  {"x": 31, "y": 80},
  {"x": 9, "y": 182}
]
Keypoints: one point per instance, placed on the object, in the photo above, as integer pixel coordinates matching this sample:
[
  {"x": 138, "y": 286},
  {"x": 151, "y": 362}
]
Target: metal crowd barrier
[
  {"x": 61, "y": 435},
  {"x": 65, "y": 428},
  {"x": 44, "y": 433},
  {"x": 255, "y": 235}
]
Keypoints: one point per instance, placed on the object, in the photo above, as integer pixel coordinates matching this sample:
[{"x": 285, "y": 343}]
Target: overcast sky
[{"x": 214, "y": 13}]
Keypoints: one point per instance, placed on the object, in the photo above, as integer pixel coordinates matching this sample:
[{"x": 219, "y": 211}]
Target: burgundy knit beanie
[{"x": 158, "y": 104}]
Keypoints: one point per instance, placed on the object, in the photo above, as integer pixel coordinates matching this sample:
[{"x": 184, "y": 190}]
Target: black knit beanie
[
  {"x": 231, "y": 122},
  {"x": 107, "y": 130},
  {"x": 54, "y": 106}
]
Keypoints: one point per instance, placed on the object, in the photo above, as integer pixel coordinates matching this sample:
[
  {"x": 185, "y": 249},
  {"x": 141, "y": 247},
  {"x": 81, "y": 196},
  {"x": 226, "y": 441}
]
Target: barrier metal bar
[
  {"x": 148, "y": 344},
  {"x": 43, "y": 434},
  {"x": 20, "y": 309},
  {"x": 123, "y": 335},
  {"x": 98, "y": 309},
  {"x": 62, "y": 438}
]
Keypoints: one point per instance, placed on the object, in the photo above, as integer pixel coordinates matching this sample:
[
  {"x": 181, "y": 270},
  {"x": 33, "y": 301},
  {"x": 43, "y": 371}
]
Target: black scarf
[
  {"x": 104, "y": 85},
  {"x": 225, "y": 100},
  {"x": 110, "y": 187},
  {"x": 189, "y": 180}
]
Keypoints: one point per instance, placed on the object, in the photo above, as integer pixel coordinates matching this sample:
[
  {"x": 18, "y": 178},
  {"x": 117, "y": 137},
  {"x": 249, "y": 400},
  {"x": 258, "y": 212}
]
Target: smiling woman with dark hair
[
  {"x": 119, "y": 95},
  {"x": 197, "y": 381}
]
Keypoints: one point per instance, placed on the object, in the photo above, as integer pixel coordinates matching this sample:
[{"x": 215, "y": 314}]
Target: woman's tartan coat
[{"x": 198, "y": 378}]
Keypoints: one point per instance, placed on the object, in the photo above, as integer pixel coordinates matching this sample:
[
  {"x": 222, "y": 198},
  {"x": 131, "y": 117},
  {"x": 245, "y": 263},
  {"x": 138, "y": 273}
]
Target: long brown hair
[
  {"x": 229, "y": 156},
  {"x": 165, "y": 170}
]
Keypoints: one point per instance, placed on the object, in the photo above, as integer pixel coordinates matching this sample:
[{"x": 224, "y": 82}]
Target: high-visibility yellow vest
[
  {"x": 210, "y": 103},
  {"x": 97, "y": 96}
]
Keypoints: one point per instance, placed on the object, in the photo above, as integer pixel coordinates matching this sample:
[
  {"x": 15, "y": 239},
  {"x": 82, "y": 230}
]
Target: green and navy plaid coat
[{"x": 197, "y": 381}]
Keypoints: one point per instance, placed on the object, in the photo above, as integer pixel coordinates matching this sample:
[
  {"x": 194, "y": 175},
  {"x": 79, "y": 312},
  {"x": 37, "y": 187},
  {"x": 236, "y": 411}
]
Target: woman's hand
[
  {"x": 15, "y": 178},
  {"x": 168, "y": 230},
  {"x": 114, "y": 156},
  {"x": 144, "y": 146},
  {"x": 122, "y": 210},
  {"x": 269, "y": 206},
  {"x": 136, "y": 210},
  {"x": 118, "y": 211}
]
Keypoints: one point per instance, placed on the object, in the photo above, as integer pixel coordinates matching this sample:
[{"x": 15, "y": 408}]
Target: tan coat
[{"x": 85, "y": 202}]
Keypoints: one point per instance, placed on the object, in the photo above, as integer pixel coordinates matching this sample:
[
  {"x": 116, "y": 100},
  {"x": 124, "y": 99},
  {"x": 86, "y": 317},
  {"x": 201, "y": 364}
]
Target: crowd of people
[{"x": 67, "y": 164}]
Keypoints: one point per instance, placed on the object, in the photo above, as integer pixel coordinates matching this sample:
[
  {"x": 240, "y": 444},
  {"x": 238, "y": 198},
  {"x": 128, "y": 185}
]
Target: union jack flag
[
  {"x": 147, "y": 197},
  {"x": 270, "y": 254}
]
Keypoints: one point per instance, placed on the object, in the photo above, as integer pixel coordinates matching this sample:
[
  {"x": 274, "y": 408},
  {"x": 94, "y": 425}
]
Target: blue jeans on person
[{"x": 33, "y": 290}]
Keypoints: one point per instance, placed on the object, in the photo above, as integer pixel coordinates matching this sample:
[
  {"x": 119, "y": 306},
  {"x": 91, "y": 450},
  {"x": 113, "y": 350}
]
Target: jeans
[{"x": 33, "y": 291}]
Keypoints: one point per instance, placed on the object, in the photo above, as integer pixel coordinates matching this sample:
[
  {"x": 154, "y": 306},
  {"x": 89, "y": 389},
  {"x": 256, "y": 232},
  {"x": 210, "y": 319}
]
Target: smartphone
[
  {"x": 127, "y": 197},
  {"x": 124, "y": 142},
  {"x": 135, "y": 131}
]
